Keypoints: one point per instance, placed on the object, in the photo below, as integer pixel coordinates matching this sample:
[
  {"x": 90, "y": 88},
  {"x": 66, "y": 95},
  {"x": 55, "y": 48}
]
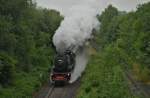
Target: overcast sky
[{"x": 64, "y": 5}]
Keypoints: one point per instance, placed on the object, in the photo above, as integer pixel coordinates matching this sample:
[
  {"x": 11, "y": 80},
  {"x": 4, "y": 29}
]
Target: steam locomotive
[{"x": 64, "y": 64}]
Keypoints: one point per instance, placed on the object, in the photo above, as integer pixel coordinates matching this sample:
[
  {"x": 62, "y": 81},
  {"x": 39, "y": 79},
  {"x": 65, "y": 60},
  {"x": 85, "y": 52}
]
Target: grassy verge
[{"x": 104, "y": 77}]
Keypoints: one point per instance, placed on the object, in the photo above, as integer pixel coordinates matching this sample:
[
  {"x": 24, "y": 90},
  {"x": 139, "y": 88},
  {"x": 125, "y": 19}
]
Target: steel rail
[{"x": 50, "y": 91}]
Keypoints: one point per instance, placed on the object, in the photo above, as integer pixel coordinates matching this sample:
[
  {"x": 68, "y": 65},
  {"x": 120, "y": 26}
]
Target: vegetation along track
[{"x": 67, "y": 91}]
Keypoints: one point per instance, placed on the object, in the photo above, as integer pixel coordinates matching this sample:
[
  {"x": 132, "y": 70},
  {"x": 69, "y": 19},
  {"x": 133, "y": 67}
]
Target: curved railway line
[
  {"x": 51, "y": 91},
  {"x": 138, "y": 88}
]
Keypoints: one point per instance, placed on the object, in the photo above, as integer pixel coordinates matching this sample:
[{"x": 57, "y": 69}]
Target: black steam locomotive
[{"x": 64, "y": 64}]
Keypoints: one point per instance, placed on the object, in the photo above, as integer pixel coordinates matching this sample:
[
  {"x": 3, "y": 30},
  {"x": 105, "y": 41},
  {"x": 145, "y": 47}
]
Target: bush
[{"x": 7, "y": 69}]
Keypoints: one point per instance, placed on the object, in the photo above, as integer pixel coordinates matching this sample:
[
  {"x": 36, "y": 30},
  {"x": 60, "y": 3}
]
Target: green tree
[{"x": 108, "y": 25}]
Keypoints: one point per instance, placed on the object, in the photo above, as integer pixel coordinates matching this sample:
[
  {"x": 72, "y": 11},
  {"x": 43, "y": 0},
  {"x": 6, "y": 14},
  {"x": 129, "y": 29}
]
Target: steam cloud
[{"x": 74, "y": 32}]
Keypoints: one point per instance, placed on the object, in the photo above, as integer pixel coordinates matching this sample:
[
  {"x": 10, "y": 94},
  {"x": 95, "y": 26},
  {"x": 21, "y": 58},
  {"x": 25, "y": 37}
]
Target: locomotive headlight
[
  {"x": 68, "y": 74},
  {"x": 51, "y": 74}
]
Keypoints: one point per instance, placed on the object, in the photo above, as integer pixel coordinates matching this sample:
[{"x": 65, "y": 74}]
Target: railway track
[
  {"x": 51, "y": 91},
  {"x": 137, "y": 87}
]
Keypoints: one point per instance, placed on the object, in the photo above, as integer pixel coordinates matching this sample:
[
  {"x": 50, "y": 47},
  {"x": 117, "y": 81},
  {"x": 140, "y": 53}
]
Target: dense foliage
[
  {"x": 124, "y": 43},
  {"x": 129, "y": 34},
  {"x": 25, "y": 45}
]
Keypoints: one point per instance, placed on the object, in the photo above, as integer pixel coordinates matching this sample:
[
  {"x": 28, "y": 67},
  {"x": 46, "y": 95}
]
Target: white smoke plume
[
  {"x": 75, "y": 30},
  {"x": 81, "y": 61}
]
